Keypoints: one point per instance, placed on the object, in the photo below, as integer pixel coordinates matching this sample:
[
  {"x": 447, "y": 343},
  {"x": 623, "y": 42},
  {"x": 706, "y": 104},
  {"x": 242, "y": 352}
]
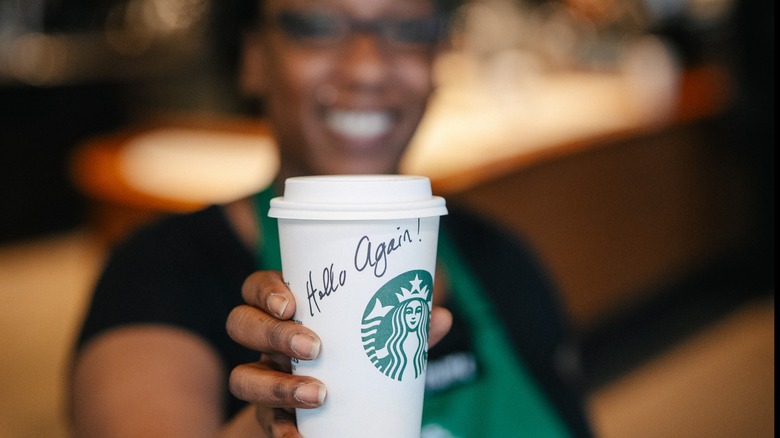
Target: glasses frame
[{"x": 409, "y": 33}]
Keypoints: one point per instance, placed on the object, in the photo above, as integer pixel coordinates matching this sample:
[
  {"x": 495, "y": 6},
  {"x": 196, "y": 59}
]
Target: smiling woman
[{"x": 345, "y": 85}]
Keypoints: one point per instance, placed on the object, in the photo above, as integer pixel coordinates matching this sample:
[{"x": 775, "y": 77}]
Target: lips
[{"x": 359, "y": 124}]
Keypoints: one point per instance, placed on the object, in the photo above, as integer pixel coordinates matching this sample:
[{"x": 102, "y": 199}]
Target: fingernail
[
  {"x": 277, "y": 303},
  {"x": 310, "y": 393},
  {"x": 305, "y": 346}
]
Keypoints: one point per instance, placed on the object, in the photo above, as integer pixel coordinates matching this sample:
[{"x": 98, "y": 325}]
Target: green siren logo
[{"x": 395, "y": 325}]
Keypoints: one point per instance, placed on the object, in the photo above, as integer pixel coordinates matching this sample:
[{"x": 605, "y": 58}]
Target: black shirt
[{"x": 187, "y": 271}]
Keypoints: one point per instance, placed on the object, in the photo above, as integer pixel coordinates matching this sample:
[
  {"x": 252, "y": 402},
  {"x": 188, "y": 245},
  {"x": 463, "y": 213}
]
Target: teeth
[{"x": 359, "y": 124}]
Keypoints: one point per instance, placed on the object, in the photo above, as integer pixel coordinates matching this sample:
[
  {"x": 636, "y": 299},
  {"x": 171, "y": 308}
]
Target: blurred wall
[{"x": 72, "y": 70}]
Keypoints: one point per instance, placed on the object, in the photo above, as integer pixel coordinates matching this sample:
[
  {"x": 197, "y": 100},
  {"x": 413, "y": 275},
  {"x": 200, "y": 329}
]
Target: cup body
[{"x": 363, "y": 281}]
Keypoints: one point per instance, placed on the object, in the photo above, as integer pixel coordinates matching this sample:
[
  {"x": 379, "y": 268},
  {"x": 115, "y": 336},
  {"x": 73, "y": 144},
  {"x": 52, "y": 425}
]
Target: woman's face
[{"x": 346, "y": 82}]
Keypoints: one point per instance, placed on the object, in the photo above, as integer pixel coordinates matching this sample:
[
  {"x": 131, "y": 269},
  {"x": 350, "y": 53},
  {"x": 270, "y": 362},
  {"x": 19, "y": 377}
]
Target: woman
[{"x": 346, "y": 83}]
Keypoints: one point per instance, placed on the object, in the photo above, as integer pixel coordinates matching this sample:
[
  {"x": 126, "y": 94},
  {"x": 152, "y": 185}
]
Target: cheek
[
  {"x": 416, "y": 75},
  {"x": 295, "y": 76}
]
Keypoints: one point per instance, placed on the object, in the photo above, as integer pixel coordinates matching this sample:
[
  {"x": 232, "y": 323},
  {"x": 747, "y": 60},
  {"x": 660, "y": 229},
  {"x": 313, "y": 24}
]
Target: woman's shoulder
[
  {"x": 177, "y": 270},
  {"x": 485, "y": 240},
  {"x": 173, "y": 227},
  {"x": 504, "y": 261},
  {"x": 177, "y": 237}
]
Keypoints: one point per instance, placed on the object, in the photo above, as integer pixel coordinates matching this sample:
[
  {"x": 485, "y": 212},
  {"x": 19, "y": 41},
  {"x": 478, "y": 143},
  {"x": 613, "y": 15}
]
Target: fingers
[
  {"x": 284, "y": 427},
  {"x": 263, "y": 325},
  {"x": 277, "y": 423},
  {"x": 267, "y": 290},
  {"x": 441, "y": 322},
  {"x": 259, "y": 385},
  {"x": 259, "y": 331}
]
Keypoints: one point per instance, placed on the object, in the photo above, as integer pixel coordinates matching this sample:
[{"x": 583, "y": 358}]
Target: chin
[
  {"x": 358, "y": 167},
  {"x": 359, "y": 170}
]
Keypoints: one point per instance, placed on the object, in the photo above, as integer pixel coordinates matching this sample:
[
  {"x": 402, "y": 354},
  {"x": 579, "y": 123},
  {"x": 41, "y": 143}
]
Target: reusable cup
[{"x": 359, "y": 254}]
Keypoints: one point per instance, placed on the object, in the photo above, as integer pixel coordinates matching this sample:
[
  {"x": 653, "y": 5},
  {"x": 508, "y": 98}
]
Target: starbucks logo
[{"x": 395, "y": 325}]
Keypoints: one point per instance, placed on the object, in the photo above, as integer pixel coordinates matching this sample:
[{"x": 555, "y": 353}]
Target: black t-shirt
[{"x": 187, "y": 271}]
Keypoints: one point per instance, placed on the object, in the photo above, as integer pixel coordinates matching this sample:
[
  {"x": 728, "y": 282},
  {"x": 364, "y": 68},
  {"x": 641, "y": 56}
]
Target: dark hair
[{"x": 247, "y": 12}]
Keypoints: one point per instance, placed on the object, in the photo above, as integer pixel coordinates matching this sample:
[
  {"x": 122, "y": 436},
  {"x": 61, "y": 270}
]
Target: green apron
[{"x": 503, "y": 401}]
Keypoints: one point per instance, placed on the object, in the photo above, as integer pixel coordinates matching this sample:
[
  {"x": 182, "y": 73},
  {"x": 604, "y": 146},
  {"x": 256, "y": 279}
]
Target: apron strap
[{"x": 268, "y": 253}]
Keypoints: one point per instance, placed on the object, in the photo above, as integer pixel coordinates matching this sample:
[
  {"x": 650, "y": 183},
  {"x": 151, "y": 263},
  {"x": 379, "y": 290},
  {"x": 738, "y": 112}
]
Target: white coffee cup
[{"x": 359, "y": 254}]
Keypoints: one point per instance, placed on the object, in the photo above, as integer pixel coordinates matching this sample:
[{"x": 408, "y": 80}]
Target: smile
[{"x": 359, "y": 124}]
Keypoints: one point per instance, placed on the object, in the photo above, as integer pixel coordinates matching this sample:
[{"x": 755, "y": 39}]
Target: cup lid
[{"x": 357, "y": 197}]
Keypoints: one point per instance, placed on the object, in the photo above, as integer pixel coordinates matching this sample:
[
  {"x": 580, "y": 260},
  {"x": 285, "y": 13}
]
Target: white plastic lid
[{"x": 357, "y": 197}]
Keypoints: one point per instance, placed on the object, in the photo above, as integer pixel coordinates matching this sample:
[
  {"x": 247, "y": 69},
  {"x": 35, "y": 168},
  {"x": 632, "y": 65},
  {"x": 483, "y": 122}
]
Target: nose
[{"x": 365, "y": 60}]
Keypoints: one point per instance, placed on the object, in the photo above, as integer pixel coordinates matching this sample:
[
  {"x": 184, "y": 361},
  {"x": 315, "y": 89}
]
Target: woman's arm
[
  {"x": 157, "y": 380},
  {"x": 152, "y": 380}
]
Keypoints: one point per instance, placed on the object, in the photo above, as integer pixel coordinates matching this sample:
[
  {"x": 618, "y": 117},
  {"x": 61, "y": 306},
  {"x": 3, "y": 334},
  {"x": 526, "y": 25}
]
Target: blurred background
[{"x": 631, "y": 142}]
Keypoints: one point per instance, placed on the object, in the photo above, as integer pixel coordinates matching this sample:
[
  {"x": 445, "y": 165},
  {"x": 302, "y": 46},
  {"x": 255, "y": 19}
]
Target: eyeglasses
[{"x": 328, "y": 29}]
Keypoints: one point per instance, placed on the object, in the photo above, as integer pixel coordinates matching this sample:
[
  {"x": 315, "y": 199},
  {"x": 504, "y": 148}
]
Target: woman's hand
[{"x": 263, "y": 324}]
